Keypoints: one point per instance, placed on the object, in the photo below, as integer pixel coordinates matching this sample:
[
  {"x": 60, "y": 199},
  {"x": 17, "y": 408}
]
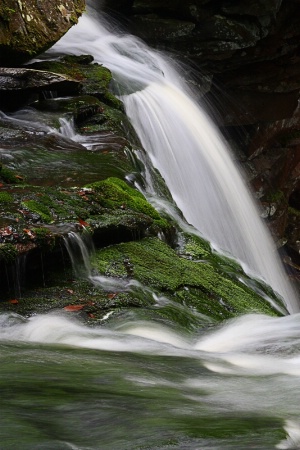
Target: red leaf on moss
[
  {"x": 111, "y": 296},
  {"x": 83, "y": 223},
  {"x": 92, "y": 316},
  {"x": 14, "y": 301},
  {"x": 73, "y": 307}
]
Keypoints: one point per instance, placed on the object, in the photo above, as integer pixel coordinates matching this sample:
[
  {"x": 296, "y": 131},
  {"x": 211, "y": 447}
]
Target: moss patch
[
  {"x": 198, "y": 284},
  {"x": 9, "y": 176},
  {"x": 94, "y": 77},
  {"x": 114, "y": 193},
  {"x": 5, "y": 197}
]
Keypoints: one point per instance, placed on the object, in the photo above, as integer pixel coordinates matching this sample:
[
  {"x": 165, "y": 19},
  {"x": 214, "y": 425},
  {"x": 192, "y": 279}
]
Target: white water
[
  {"x": 185, "y": 147},
  {"x": 250, "y": 365},
  {"x": 250, "y": 345}
]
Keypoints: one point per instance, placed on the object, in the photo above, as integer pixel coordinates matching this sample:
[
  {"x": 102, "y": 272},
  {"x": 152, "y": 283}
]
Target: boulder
[
  {"x": 29, "y": 27},
  {"x": 19, "y": 86}
]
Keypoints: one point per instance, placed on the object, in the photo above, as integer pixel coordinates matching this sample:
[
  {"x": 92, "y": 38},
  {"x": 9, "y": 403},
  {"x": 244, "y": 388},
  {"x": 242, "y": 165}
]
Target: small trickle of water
[
  {"x": 80, "y": 247},
  {"x": 67, "y": 129}
]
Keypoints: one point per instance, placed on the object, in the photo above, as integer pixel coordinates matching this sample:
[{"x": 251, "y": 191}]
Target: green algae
[
  {"x": 114, "y": 193},
  {"x": 6, "y": 197},
  {"x": 196, "y": 283}
]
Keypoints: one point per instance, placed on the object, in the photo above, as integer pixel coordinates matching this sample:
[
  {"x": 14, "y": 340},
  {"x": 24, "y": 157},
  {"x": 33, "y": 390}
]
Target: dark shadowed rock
[
  {"x": 28, "y": 27},
  {"x": 20, "y": 86}
]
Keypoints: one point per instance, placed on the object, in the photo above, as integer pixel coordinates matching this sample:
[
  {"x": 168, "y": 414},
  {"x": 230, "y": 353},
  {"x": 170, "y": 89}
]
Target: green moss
[
  {"x": 294, "y": 211},
  {"x": 194, "y": 247},
  {"x": 8, "y": 176},
  {"x": 5, "y": 197},
  {"x": 115, "y": 193},
  {"x": 44, "y": 238},
  {"x": 108, "y": 119},
  {"x": 274, "y": 196},
  {"x": 94, "y": 77},
  {"x": 198, "y": 284},
  {"x": 6, "y": 13},
  {"x": 8, "y": 252},
  {"x": 38, "y": 208}
]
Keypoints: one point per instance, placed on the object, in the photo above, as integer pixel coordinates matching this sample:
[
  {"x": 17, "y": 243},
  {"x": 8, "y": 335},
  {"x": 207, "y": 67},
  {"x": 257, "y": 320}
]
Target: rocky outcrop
[
  {"x": 29, "y": 27},
  {"x": 57, "y": 185},
  {"x": 19, "y": 86},
  {"x": 246, "y": 58}
]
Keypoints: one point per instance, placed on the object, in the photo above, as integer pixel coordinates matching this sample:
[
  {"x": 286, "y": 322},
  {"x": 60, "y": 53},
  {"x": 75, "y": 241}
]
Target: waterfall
[
  {"x": 79, "y": 248},
  {"x": 185, "y": 146}
]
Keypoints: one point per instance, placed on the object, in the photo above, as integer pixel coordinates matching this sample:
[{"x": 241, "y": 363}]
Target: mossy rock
[
  {"x": 94, "y": 77},
  {"x": 27, "y": 27},
  {"x": 43, "y": 157},
  {"x": 107, "y": 119},
  {"x": 115, "y": 211},
  {"x": 114, "y": 193},
  {"x": 79, "y": 107},
  {"x": 90, "y": 115},
  {"x": 199, "y": 284}
]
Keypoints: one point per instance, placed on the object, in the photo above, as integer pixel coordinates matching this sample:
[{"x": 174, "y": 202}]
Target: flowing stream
[{"x": 134, "y": 383}]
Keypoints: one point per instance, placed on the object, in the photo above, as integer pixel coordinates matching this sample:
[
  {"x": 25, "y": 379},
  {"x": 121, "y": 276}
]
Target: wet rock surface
[{"x": 19, "y": 86}]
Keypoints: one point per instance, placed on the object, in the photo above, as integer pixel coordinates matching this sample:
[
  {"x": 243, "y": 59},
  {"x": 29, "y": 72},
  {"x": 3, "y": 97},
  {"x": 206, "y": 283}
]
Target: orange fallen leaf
[
  {"x": 73, "y": 307},
  {"x": 28, "y": 232},
  {"x": 1, "y": 184},
  {"x": 19, "y": 177},
  {"x": 92, "y": 316},
  {"x": 14, "y": 301},
  {"x": 111, "y": 295},
  {"x": 83, "y": 223}
]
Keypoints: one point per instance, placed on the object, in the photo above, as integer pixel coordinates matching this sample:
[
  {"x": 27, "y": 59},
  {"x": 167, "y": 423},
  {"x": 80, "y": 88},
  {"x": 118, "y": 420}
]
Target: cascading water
[{"x": 186, "y": 148}]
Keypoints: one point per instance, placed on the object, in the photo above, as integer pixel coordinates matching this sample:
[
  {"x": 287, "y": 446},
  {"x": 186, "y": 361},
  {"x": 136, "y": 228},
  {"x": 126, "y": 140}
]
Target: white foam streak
[
  {"x": 58, "y": 329},
  {"x": 253, "y": 332},
  {"x": 251, "y": 345}
]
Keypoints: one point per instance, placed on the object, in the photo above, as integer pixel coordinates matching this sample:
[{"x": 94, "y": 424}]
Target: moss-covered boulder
[
  {"x": 94, "y": 78},
  {"x": 35, "y": 216},
  {"x": 29, "y": 27},
  {"x": 202, "y": 284}
]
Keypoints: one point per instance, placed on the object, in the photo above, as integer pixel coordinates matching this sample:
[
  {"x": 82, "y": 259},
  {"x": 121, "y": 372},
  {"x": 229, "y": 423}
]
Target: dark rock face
[
  {"x": 248, "y": 53},
  {"x": 19, "y": 86},
  {"x": 28, "y": 27}
]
